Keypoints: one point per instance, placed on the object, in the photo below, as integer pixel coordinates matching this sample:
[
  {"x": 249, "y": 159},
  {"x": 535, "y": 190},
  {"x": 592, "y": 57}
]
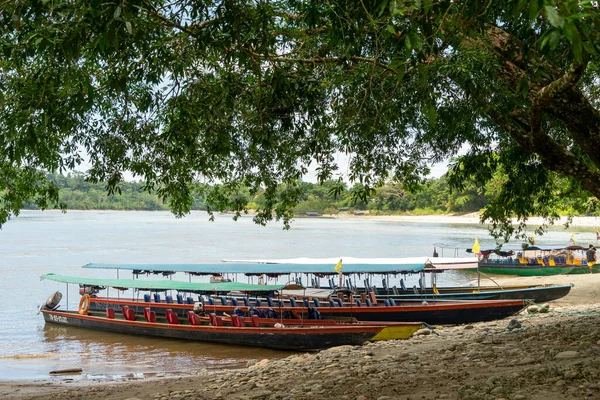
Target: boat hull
[
  {"x": 293, "y": 338},
  {"x": 538, "y": 294},
  {"x": 432, "y": 312},
  {"x": 535, "y": 269},
  {"x": 437, "y": 312}
]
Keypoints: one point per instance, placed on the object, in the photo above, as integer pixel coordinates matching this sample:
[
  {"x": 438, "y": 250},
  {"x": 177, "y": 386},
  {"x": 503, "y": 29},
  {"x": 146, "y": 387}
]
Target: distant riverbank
[
  {"x": 467, "y": 219},
  {"x": 472, "y": 218}
]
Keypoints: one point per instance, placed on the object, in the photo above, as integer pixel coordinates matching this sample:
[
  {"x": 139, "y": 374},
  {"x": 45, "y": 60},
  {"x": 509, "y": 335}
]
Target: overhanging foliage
[{"x": 252, "y": 93}]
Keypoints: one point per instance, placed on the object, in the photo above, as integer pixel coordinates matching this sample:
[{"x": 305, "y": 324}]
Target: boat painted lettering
[{"x": 58, "y": 318}]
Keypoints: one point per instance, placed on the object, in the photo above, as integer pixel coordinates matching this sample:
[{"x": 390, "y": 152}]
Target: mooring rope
[{"x": 430, "y": 327}]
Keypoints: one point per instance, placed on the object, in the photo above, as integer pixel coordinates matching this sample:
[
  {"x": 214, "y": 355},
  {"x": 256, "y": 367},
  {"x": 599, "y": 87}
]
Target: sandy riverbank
[
  {"x": 553, "y": 355},
  {"x": 472, "y": 218}
]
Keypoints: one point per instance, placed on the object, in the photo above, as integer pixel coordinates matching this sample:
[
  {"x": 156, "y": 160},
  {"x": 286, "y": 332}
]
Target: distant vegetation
[{"x": 434, "y": 197}]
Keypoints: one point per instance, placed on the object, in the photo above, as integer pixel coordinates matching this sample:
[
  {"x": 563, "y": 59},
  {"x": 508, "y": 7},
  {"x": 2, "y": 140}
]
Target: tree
[{"x": 250, "y": 93}]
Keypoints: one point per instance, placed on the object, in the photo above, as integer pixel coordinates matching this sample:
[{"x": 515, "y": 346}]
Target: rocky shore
[{"x": 533, "y": 355}]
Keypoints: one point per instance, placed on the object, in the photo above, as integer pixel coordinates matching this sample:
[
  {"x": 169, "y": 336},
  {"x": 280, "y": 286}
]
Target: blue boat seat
[
  {"x": 386, "y": 302},
  {"x": 257, "y": 302},
  {"x": 317, "y": 302},
  {"x": 179, "y": 299},
  {"x": 270, "y": 302},
  {"x": 358, "y": 303},
  {"x": 189, "y": 300},
  {"x": 147, "y": 298},
  {"x": 293, "y": 301},
  {"x": 368, "y": 302},
  {"x": 392, "y": 302},
  {"x": 246, "y": 302},
  {"x": 211, "y": 301},
  {"x": 168, "y": 299},
  {"x": 331, "y": 303},
  {"x": 306, "y": 304},
  {"x": 339, "y": 302},
  {"x": 223, "y": 301},
  {"x": 280, "y": 302},
  {"x": 234, "y": 302},
  {"x": 156, "y": 298}
]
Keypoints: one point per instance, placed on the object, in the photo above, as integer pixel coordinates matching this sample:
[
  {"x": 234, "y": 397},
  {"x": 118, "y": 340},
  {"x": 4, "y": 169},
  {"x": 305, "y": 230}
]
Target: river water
[{"x": 38, "y": 242}]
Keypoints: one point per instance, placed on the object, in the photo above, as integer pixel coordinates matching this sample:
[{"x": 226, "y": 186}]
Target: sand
[
  {"x": 554, "y": 355},
  {"x": 472, "y": 218}
]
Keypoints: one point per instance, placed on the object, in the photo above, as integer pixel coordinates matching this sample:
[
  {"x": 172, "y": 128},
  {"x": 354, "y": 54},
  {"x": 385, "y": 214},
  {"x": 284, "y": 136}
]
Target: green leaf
[
  {"x": 427, "y": 4},
  {"x": 431, "y": 115},
  {"x": 128, "y": 27},
  {"x": 117, "y": 13},
  {"x": 415, "y": 40},
  {"x": 552, "y": 15},
  {"x": 572, "y": 34},
  {"x": 533, "y": 10},
  {"x": 407, "y": 43},
  {"x": 589, "y": 48},
  {"x": 391, "y": 29}
]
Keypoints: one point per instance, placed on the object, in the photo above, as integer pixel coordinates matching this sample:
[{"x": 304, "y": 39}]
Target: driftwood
[{"x": 67, "y": 371}]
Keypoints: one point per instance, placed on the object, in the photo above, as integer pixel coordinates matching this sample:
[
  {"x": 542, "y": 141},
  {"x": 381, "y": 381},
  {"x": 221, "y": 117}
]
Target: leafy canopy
[{"x": 186, "y": 93}]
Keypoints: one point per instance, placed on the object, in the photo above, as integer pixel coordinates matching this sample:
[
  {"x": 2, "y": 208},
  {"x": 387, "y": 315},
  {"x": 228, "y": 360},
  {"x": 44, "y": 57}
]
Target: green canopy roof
[{"x": 170, "y": 285}]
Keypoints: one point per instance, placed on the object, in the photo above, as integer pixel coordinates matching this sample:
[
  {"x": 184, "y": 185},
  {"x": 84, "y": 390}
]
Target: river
[{"x": 38, "y": 242}]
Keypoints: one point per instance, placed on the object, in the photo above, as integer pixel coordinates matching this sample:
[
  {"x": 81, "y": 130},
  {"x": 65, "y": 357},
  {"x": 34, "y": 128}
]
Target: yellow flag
[
  {"x": 338, "y": 267},
  {"x": 476, "y": 247}
]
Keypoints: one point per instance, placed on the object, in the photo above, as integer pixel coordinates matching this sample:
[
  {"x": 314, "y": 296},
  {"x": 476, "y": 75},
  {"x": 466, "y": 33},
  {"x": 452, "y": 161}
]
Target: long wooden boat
[
  {"x": 300, "y": 338},
  {"x": 303, "y": 265},
  {"x": 185, "y": 324},
  {"x": 537, "y": 293},
  {"x": 537, "y": 261},
  {"x": 432, "y": 312}
]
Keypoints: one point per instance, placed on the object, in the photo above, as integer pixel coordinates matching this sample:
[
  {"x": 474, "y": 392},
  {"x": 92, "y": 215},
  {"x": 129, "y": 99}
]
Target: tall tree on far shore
[{"x": 253, "y": 93}]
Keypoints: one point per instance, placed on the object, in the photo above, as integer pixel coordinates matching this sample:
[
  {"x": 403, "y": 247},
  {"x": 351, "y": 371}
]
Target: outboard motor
[{"x": 52, "y": 302}]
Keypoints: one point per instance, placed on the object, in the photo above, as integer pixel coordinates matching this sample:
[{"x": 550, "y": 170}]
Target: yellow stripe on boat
[{"x": 396, "y": 332}]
